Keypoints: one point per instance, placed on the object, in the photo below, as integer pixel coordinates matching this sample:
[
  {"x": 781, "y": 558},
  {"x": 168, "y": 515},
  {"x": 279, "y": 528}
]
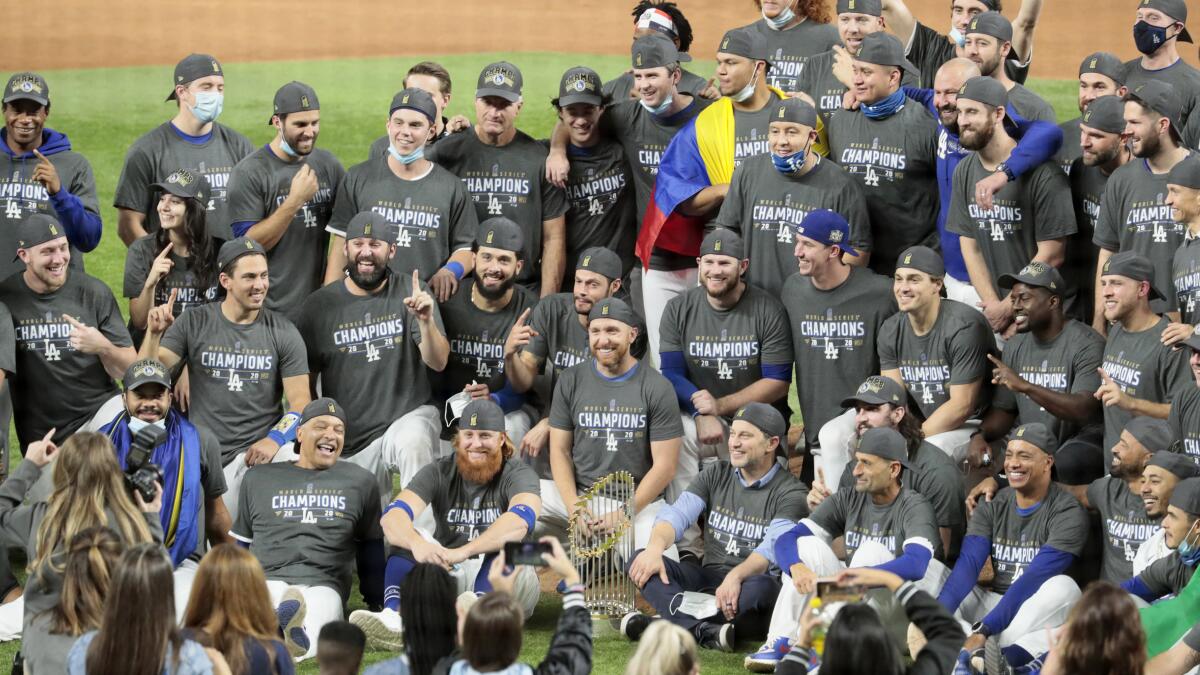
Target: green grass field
[{"x": 105, "y": 110}]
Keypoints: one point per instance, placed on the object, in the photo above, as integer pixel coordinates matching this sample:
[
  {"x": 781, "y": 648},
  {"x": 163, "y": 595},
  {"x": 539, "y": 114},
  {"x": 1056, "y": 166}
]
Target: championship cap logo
[
  {"x": 580, "y": 85},
  {"x": 782, "y": 110},
  {"x": 367, "y": 229},
  {"x": 835, "y": 236},
  {"x": 488, "y": 238},
  {"x": 332, "y": 408},
  {"x": 181, "y": 178},
  {"x": 1092, "y": 63},
  {"x": 27, "y": 84},
  {"x": 974, "y": 22},
  {"x": 725, "y": 43},
  {"x": 717, "y": 245},
  {"x": 872, "y": 385},
  {"x": 962, "y": 90},
  {"x": 304, "y": 101},
  {"x": 587, "y": 259},
  {"x": 1087, "y": 116},
  {"x": 604, "y": 310},
  {"x": 638, "y": 60},
  {"x": 1020, "y": 432},
  {"x": 474, "y": 419},
  {"x": 249, "y": 245},
  {"x": 53, "y": 229},
  {"x": 851, "y": 5},
  {"x": 1107, "y": 264},
  {"x": 908, "y": 259},
  {"x": 741, "y": 413},
  {"x": 405, "y": 99},
  {"x": 216, "y": 68}
]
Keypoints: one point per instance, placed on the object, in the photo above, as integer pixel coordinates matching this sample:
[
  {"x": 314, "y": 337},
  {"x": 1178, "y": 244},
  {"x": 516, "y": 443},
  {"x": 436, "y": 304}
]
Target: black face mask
[{"x": 1149, "y": 38}]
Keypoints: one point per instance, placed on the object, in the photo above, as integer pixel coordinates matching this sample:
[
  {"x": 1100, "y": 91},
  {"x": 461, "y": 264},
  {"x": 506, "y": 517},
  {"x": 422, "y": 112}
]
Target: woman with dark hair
[
  {"x": 138, "y": 634},
  {"x": 856, "y": 641},
  {"x": 1103, "y": 634},
  {"x": 430, "y": 624},
  {"x": 230, "y": 610}
]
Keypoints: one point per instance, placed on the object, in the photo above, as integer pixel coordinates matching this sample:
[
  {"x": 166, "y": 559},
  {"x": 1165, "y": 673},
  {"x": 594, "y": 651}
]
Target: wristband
[
  {"x": 285, "y": 430},
  {"x": 525, "y": 513},
  {"x": 403, "y": 506},
  {"x": 455, "y": 268}
]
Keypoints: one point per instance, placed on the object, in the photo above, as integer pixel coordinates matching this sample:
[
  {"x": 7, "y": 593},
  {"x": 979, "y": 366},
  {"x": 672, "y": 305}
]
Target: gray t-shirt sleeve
[
  {"x": 968, "y": 354},
  {"x": 243, "y": 527},
  {"x": 521, "y": 480},
  {"x": 983, "y": 520},
  {"x": 888, "y": 359},
  {"x": 1165, "y": 575},
  {"x": 1175, "y": 372},
  {"x": 730, "y": 214},
  {"x": 958, "y": 219},
  {"x": 345, "y": 205},
  {"x": 1053, "y": 211},
  {"x": 247, "y": 194},
  {"x": 8, "y": 341},
  {"x": 776, "y": 338},
  {"x": 293, "y": 356},
  {"x": 560, "y": 406},
  {"x": 137, "y": 267},
  {"x": 554, "y": 199},
  {"x": 1108, "y": 223},
  {"x": 920, "y": 521},
  {"x": 663, "y": 417},
  {"x": 178, "y": 336},
  {"x": 831, "y": 514},
  {"x": 670, "y": 337},
  {"x": 463, "y": 221},
  {"x": 212, "y": 476},
  {"x": 702, "y": 484},
  {"x": 109, "y": 320},
  {"x": 541, "y": 323},
  {"x": 133, "y": 186},
  {"x": 1070, "y": 530},
  {"x": 427, "y": 483},
  {"x": 1088, "y": 357}
]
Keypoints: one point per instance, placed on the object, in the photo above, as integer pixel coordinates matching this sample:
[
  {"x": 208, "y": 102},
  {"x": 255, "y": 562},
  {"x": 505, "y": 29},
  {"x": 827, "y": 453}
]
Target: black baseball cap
[
  {"x": 30, "y": 86},
  {"x": 579, "y": 85},
  {"x": 146, "y": 371},
  {"x": 1185, "y": 173},
  {"x": 37, "y": 229},
  {"x": 987, "y": 90},
  {"x": 991, "y": 23},
  {"x": 922, "y": 259},
  {"x": 184, "y": 183},
  {"x": 1106, "y": 113},
  {"x": 414, "y": 99},
  {"x": 1181, "y": 465},
  {"x": 745, "y": 42},
  {"x": 877, "y": 390},
  {"x": 1037, "y": 435},
  {"x": 884, "y": 442},
  {"x": 501, "y": 79},
  {"x": 501, "y": 233},
  {"x": 321, "y": 407},
  {"x": 192, "y": 68},
  {"x": 294, "y": 97},
  {"x": 872, "y": 7},
  {"x": 765, "y": 417},
  {"x": 1104, "y": 63},
  {"x": 795, "y": 110},
  {"x": 613, "y": 308},
  {"x": 723, "y": 242},
  {"x": 602, "y": 261},
  {"x": 236, "y": 248},
  {"x": 656, "y": 51},
  {"x": 1187, "y": 496},
  {"x": 884, "y": 49},
  {"x": 482, "y": 415},
  {"x": 1035, "y": 274},
  {"x": 1154, "y": 435},
  {"x": 1133, "y": 266},
  {"x": 1176, "y": 9},
  {"x": 1161, "y": 97},
  {"x": 372, "y": 225}
]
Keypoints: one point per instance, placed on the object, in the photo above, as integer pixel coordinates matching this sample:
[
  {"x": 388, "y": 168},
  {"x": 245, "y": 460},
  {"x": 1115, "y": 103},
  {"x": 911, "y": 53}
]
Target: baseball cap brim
[
  {"x": 21, "y": 95},
  {"x": 1193, "y": 342},
  {"x": 865, "y": 397},
  {"x": 569, "y": 99},
  {"x": 173, "y": 188},
  {"x": 505, "y": 94},
  {"x": 1007, "y": 281},
  {"x": 1184, "y": 36}
]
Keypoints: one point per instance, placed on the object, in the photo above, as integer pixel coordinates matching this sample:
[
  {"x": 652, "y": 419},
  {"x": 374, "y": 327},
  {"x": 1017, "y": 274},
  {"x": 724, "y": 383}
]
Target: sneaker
[
  {"x": 383, "y": 629},
  {"x": 290, "y": 613},
  {"x": 634, "y": 624},
  {"x": 718, "y": 636},
  {"x": 768, "y": 656}
]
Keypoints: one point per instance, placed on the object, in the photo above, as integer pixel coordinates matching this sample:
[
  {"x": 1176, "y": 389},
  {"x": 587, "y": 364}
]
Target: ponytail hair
[{"x": 91, "y": 557}]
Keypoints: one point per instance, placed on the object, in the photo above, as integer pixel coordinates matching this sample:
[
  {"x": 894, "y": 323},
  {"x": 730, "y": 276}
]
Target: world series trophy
[{"x": 601, "y": 534}]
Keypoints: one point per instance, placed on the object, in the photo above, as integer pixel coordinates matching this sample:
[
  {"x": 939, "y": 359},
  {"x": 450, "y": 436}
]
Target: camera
[
  {"x": 526, "y": 553},
  {"x": 140, "y": 473}
]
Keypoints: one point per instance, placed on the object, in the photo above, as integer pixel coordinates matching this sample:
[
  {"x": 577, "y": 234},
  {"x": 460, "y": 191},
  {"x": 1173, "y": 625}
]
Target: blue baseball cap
[{"x": 827, "y": 227}]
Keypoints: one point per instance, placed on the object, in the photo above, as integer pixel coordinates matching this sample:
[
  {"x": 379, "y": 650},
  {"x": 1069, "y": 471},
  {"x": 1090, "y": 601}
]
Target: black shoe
[
  {"x": 634, "y": 624},
  {"x": 717, "y": 636}
]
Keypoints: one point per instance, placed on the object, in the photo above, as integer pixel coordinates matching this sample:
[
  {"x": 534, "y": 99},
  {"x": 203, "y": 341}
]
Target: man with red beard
[{"x": 480, "y": 498}]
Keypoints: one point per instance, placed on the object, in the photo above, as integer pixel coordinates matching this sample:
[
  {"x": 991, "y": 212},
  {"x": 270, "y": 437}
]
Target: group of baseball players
[{"x": 986, "y": 320}]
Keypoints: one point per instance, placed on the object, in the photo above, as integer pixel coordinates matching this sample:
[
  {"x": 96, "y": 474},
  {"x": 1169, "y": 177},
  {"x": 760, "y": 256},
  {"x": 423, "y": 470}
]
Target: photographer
[
  {"x": 88, "y": 491},
  {"x": 188, "y": 463}
]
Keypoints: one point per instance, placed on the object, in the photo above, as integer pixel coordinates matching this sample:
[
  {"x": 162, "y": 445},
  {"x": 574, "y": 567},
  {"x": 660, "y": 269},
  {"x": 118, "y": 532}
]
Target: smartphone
[
  {"x": 829, "y": 591},
  {"x": 526, "y": 553}
]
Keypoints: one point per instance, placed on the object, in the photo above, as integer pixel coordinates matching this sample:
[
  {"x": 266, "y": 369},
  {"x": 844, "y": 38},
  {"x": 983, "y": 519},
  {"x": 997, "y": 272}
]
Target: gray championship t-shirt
[
  {"x": 1134, "y": 216},
  {"x": 1167, "y": 576},
  {"x": 236, "y": 372},
  {"x": 1186, "y": 277},
  {"x": 726, "y": 350},
  {"x": 1185, "y": 79},
  {"x": 477, "y": 339},
  {"x": 464, "y": 509},
  {"x": 1059, "y": 522},
  {"x": 750, "y": 131},
  {"x": 764, "y": 207},
  {"x": 507, "y": 181},
  {"x": 1079, "y": 267},
  {"x": 1065, "y": 365},
  {"x": 600, "y": 205},
  {"x": 856, "y": 516},
  {"x": 826, "y": 90},
  {"x": 1070, "y": 150},
  {"x": 790, "y": 49},
  {"x": 928, "y": 50},
  {"x": 162, "y": 150},
  {"x": 432, "y": 215},
  {"x": 893, "y": 159},
  {"x": 559, "y": 339},
  {"x": 1185, "y": 419},
  {"x": 302, "y": 524},
  {"x": 834, "y": 335},
  {"x": 953, "y": 352},
  {"x": 736, "y": 517},
  {"x": 1124, "y": 522},
  {"x": 614, "y": 421},
  {"x": 1143, "y": 368},
  {"x": 620, "y": 88},
  {"x": 258, "y": 185},
  {"x": 1030, "y": 106},
  {"x": 367, "y": 351},
  {"x": 191, "y": 290},
  {"x": 56, "y": 386},
  {"x": 1035, "y": 208}
]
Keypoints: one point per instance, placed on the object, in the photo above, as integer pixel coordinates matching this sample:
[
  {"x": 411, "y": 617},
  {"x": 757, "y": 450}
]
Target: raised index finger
[
  {"x": 524, "y": 315},
  {"x": 166, "y": 251},
  {"x": 74, "y": 323},
  {"x": 40, "y": 156},
  {"x": 1104, "y": 376}
]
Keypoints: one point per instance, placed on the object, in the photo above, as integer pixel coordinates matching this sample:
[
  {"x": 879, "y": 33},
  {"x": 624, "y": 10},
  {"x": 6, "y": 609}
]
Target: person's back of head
[
  {"x": 139, "y": 616},
  {"x": 92, "y": 556},
  {"x": 492, "y": 632},
  {"x": 428, "y": 617},
  {"x": 664, "y": 649},
  {"x": 858, "y": 642},
  {"x": 340, "y": 648},
  {"x": 1103, "y": 634},
  {"x": 229, "y": 604}
]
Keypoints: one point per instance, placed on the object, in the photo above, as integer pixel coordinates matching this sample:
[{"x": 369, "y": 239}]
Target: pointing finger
[
  {"x": 40, "y": 156},
  {"x": 1104, "y": 376},
  {"x": 166, "y": 251},
  {"x": 524, "y": 315},
  {"x": 71, "y": 320},
  {"x": 49, "y": 435}
]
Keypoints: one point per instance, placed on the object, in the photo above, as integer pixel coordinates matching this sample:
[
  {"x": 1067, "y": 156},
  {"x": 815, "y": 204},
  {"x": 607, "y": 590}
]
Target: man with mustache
[
  {"x": 1168, "y": 576},
  {"x": 480, "y": 497},
  {"x": 282, "y": 197},
  {"x": 1163, "y": 472},
  {"x": 373, "y": 339},
  {"x": 988, "y": 43},
  {"x": 1100, "y": 74}
]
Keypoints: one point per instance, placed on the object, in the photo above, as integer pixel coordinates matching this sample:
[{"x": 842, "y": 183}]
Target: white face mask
[
  {"x": 782, "y": 20},
  {"x": 748, "y": 90},
  {"x": 698, "y": 605},
  {"x": 455, "y": 405},
  {"x": 958, "y": 38},
  {"x": 136, "y": 425}
]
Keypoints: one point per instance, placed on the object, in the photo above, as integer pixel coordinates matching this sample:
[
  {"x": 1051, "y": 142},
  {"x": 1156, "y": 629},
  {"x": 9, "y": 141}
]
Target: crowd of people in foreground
[{"x": 378, "y": 377}]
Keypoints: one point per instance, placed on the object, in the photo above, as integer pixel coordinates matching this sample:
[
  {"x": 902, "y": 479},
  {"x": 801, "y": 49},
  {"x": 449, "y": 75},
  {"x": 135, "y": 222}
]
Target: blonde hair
[
  {"x": 88, "y": 486},
  {"x": 664, "y": 649}
]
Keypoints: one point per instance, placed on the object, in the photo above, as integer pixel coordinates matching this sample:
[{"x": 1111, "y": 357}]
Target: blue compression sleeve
[
  {"x": 776, "y": 529},
  {"x": 785, "y": 546},
  {"x": 922, "y": 96},
  {"x": 241, "y": 227},
  {"x": 1139, "y": 588},
  {"x": 1037, "y": 143},
  {"x": 973, "y": 554},
  {"x": 777, "y": 371},
  {"x": 1047, "y": 563},
  {"x": 675, "y": 370},
  {"x": 83, "y": 227},
  {"x": 911, "y": 565},
  {"x": 508, "y": 399}
]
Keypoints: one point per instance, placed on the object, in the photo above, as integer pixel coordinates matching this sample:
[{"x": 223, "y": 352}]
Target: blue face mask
[
  {"x": 791, "y": 164},
  {"x": 409, "y": 158},
  {"x": 661, "y": 107},
  {"x": 287, "y": 149},
  {"x": 1149, "y": 38},
  {"x": 957, "y": 37},
  {"x": 1189, "y": 553},
  {"x": 778, "y": 23},
  {"x": 208, "y": 106},
  {"x": 885, "y": 108},
  {"x": 136, "y": 425}
]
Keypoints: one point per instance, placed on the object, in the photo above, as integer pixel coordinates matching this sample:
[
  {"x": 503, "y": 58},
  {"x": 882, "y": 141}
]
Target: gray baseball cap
[
  {"x": 579, "y": 85},
  {"x": 613, "y": 308},
  {"x": 1186, "y": 173},
  {"x": 745, "y": 42},
  {"x": 185, "y": 183},
  {"x": 1104, "y": 63},
  {"x": 192, "y": 68},
  {"x": 922, "y": 259},
  {"x": 414, "y": 99},
  {"x": 991, "y": 23},
  {"x": 884, "y": 49},
  {"x": 872, "y": 7},
  {"x": 877, "y": 390},
  {"x": 1132, "y": 266},
  {"x": 1037, "y": 435},
  {"x": 501, "y": 79},
  {"x": 656, "y": 51},
  {"x": 482, "y": 415},
  {"x": 29, "y": 86},
  {"x": 501, "y": 233},
  {"x": 1162, "y": 98},
  {"x": 294, "y": 97},
  {"x": 1181, "y": 465},
  {"x": 987, "y": 90},
  {"x": 602, "y": 261},
  {"x": 1035, "y": 274},
  {"x": 795, "y": 110},
  {"x": 1176, "y": 9},
  {"x": 723, "y": 242},
  {"x": 370, "y": 225},
  {"x": 884, "y": 442},
  {"x": 235, "y": 248},
  {"x": 37, "y": 229},
  {"x": 766, "y": 418},
  {"x": 1187, "y": 496},
  {"x": 321, "y": 407},
  {"x": 146, "y": 371},
  {"x": 1106, "y": 113},
  {"x": 1154, "y": 435}
]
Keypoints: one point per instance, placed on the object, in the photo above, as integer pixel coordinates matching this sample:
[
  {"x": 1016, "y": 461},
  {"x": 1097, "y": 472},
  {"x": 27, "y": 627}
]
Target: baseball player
[
  {"x": 772, "y": 192},
  {"x": 666, "y": 20},
  {"x": 1163, "y": 472},
  {"x": 282, "y": 196},
  {"x": 795, "y": 31},
  {"x": 1028, "y": 220},
  {"x": 192, "y": 138},
  {"x": 1140, "y": 375},
  {"x": 1157, "y": 31},
  {"x": 504, "y": 171},
  {"x": 1184, "y": 416},
  {"x": 1033, "y": 531},
  {"x": 428, "y": 206},
  {"x": 746, "y": 502},
  {"x": 937, "y": 348},
  {"x": 432, "y": 78},
  {"x": 724, "y": 344},
  {"x": 42, "y": 174},
  {"x": 1100, "y": 74},
  {"x": 1169, "y": 575},
  {"x": 611, "y": 413},
  {"x": 835, "y": 311},
  {"x": 888, "y": 147},
  {"x": 1133, "y": 216},
  {"x": 373, "y": 339},
  {"x": 885, "y": 524},
  {"x": 307, "y": 522},
  {"x": 242, "y": 358},
  {"x": 988, "y": 42},
  {"x": 1183, "y": 196}
]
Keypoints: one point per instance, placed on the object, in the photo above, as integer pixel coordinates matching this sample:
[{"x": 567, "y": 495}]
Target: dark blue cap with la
[{"x": 828, "y": 228}]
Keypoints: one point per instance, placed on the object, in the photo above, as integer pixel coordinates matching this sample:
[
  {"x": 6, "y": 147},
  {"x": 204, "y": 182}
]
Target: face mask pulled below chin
[
  {"x": 409, "y": 158},
  {"x": 748, "y": 90},
  {"x": 957, "y": 37},
  {"x": 136, "y": 425},
  {"x": 1149, "y": 38},
  {"x": 661, "y": 107},
  {"x": 208, "y": 106},
  {"x": 781, "y": 21},
  {"x": 789, "y": 164}
]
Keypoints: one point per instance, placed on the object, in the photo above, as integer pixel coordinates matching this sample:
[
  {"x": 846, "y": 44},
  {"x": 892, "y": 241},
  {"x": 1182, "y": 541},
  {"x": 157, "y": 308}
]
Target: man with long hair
[{"x": 480, "y": 498}]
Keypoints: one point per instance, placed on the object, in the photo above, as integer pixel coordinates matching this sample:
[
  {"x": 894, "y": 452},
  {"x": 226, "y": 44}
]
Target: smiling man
[
  {"x": 988, "y": 43},
  {"x": 1100, "y": 74},
  {"x": 1168, "y": 576},
  {"x": 1163, "y": 472}
]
